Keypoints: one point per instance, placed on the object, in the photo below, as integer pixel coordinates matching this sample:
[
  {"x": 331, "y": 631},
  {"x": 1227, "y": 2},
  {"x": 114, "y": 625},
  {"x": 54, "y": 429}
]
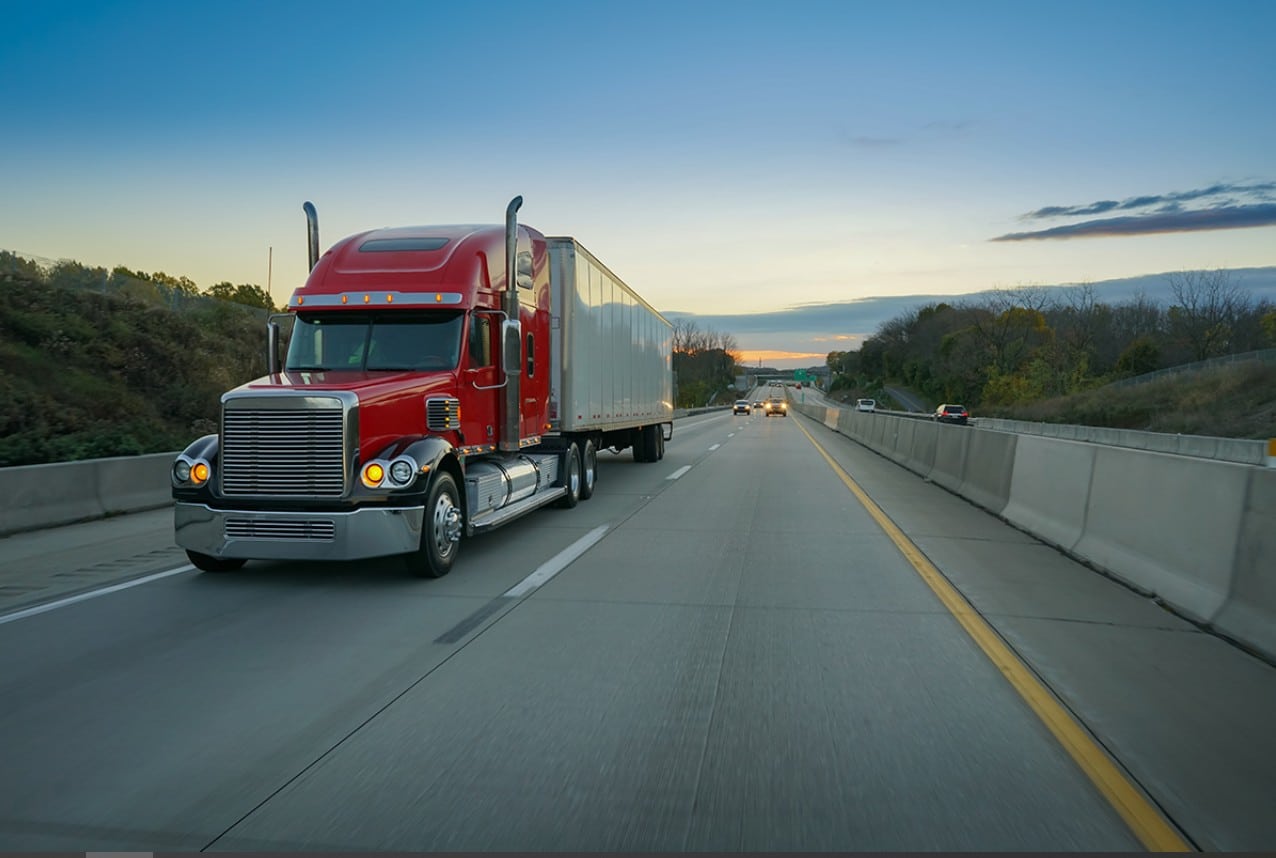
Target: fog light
[{"x": 373, "y": 474}]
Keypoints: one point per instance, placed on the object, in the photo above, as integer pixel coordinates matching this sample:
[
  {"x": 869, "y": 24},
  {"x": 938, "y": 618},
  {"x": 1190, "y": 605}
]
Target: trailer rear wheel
[
  {"x": 572, "y": 477},
  {"x": 589, "y": 470},
  {"x": 440, "y": 532},
  {"x": 660, "y": 442},
  {"x": 208, "y": 563},
  {"x": 647, "y": 444}
]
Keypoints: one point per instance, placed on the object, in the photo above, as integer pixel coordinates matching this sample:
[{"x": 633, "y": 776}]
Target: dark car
[
  {"x": 741, "y": 407},
  {"x": 951, "y": 414}
]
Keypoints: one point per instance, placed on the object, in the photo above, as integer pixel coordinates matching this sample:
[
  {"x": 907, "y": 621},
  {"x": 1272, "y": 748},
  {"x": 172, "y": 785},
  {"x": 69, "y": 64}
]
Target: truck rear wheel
[
  {"x": 647, "y": 444},
  {"x": 208, "y": 563},
  {"x": 572, "y": 477},
  {"x": 440, "y": 532},
  {"x": 589, "y": 470}
]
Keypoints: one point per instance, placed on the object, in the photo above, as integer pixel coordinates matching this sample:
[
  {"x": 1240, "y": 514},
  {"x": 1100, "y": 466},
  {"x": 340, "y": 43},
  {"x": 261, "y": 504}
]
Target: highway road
[{"x": 726, "y": 650}]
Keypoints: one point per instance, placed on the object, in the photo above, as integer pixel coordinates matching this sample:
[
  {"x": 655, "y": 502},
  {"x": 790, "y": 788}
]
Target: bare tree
[{"x": 1207, "y": 305}]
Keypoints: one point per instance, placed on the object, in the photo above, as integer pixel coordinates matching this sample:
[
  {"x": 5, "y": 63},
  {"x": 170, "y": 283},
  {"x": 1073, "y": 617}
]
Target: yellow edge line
[{"x": 1144, "y": 820}]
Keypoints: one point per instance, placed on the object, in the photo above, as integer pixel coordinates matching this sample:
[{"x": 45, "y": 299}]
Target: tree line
[
  {"x": 157, "y": 288},
  {"x": 1014, "y": 346},
  {"x": 704, "y": 362}
]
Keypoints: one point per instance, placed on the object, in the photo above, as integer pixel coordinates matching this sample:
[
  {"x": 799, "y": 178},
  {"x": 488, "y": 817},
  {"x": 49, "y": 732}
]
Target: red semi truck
[{"x": 439, "y": 382}]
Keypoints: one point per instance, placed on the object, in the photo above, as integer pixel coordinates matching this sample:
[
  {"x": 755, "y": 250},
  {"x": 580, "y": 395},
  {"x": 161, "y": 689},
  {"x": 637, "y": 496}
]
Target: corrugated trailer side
[{"x": 611, "y": 355}]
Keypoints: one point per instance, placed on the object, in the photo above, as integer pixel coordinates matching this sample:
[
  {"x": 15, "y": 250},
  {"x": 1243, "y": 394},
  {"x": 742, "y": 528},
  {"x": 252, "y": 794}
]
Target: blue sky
[{"x": 724, "y": 158}]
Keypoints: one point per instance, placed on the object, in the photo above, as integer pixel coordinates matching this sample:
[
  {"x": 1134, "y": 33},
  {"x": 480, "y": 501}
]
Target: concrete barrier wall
[
  {"x": 902, "y": 449},
  {"x": 1239, "y": 450},
  {"x": 1198, "y": 533},
  {"x": 951, "y": 444},
  {"x": 925, "y": 440},
  {"x": 1169, "y": 525},
  {"x": 1249, "y": 615},
  {"x": 35, "y": 496},
  {"x": 1050, "y": 487},
  {"x": 990, "y": 459}
]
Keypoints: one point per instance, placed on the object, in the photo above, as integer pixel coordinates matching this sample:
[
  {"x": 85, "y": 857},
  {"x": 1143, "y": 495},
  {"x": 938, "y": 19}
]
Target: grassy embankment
[{"x": 86, "y": 375}]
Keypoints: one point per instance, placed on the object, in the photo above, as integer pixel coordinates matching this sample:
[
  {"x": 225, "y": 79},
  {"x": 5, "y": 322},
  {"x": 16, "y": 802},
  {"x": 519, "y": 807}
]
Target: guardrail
[
  {"x": 37, "y": 496},
  {"x": 1195, "y": 533}
]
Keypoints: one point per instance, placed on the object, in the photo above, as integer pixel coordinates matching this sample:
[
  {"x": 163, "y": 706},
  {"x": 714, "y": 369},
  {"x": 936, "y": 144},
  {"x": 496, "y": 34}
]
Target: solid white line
[
  {"x": 557, "y": 563},
  {"x": 93, "y": 594},
  {"x": 678, "y": 473},
  {"x": 714, "y": 447}
]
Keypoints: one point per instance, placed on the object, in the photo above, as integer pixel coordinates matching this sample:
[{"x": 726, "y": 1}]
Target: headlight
[
  {"x": 182, "y": 470},
  {"x": 401, "y": 472}
]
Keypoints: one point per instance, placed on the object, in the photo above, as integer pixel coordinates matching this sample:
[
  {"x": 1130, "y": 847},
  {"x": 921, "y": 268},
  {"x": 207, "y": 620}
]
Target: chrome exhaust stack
[
  {"x": 312, "y": 232},
  {"x": 511, "y": 336}
]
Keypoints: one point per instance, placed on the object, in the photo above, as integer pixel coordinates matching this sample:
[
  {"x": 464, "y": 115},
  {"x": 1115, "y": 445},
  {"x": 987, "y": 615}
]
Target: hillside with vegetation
[
  {"x": 1055, "y": 355},
  {"x": 100, "y": 363}
]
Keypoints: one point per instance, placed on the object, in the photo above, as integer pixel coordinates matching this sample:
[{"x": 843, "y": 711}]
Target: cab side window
[{"x": 480, "y": 340}]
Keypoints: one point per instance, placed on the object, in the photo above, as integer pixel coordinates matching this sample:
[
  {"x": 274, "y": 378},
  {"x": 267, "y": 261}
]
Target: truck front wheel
[{"x": 440, "y": 532}]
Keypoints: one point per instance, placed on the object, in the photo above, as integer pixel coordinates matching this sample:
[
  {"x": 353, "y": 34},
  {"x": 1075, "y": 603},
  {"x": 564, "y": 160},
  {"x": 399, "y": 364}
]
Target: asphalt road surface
[{"x": 721, "y": 651}]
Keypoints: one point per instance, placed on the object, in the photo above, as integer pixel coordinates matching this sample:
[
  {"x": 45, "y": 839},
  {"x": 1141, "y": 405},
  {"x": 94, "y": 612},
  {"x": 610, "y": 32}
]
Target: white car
[{"x": 866, "y": 405}]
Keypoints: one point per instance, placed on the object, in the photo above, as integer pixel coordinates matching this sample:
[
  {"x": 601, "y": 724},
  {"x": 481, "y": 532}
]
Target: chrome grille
[
  {"x": 283, "y": 452},
  {"x": 442, "y": 414},
  {"x": 247, "y": 528}
]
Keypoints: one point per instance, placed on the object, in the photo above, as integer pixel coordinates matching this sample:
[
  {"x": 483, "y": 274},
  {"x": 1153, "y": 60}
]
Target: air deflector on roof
[{"x": 386, "y": 245}]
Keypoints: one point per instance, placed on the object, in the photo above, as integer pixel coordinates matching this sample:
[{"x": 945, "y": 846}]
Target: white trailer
[{"x": 611, "y": 355}]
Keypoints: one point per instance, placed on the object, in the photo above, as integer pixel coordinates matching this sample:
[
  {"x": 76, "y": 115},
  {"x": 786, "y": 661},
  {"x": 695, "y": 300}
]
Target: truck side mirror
[{"x": 512, "y": 347}]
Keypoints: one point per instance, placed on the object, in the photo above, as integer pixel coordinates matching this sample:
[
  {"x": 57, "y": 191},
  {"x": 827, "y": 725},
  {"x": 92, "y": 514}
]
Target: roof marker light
[
  {"x": 344, "y": 299},
  {"x": 366, "y": 298},
  {"x": 389, "y": 299}
]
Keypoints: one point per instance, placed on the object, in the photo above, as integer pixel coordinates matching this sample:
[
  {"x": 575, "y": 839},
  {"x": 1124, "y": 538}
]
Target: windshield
[{"x": 371, "y": 341}]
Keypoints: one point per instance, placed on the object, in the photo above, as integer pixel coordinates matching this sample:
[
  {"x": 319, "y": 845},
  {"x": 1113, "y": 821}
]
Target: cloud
[
  {"x": 1224, "y": 217},
  {"x": 817, "y": 329},
  {"x": 1255, "y": 191}
]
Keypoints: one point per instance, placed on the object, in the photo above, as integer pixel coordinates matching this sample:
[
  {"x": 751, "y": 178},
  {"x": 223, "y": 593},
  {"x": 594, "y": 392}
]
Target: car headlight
[{"x": 182, "y": 470}]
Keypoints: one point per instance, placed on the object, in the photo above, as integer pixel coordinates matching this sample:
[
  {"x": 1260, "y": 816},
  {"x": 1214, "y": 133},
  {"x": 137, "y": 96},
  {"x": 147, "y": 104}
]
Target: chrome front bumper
[{"x": 257, "y": 535}]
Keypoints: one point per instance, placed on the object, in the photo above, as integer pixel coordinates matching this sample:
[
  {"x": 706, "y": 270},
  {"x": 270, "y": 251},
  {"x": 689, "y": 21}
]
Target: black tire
[
  {"x": 440, "y": 531},
  {"x": 651, "y": 443},
  {"x": 640, "y": 444},
  {"x": 572, "y": 477},
  {"x": 660, "y": 443},
  {"x": 208, "y": 563},
  {"x": 588, "y": 470}
]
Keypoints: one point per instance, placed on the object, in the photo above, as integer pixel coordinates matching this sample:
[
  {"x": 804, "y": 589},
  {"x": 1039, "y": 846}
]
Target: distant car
[
  {"x": 759, "y": 404},
  {"x": 866, "y": 405},
  {"x": 777, "y": 406},
  {"x": 951, "y": 414},
  {"x": 741, "y": 407}
]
